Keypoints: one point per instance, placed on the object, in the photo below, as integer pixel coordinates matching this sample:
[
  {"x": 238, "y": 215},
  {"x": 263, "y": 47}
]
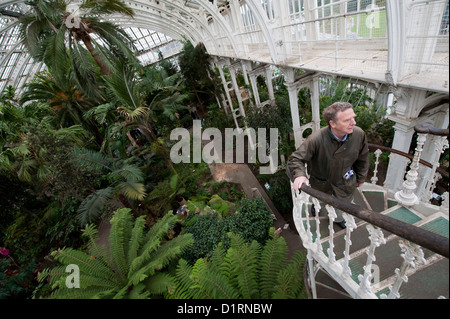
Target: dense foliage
[
  {"x": 87, "y": 142},
  {"x": 132, "y": 267},
  {"x": 244, "y": 270}
]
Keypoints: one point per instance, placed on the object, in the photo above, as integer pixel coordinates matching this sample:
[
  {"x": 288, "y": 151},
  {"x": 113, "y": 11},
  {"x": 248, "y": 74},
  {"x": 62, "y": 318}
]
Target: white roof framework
[{"x": 399, "y": 43}]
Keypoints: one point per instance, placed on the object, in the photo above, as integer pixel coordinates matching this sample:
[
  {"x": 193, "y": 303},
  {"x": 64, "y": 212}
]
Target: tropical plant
[
  {"x": 199, "y": 78},
  {"x": 124, "y": 181},
  {"x": 44, "y": 30},
  {"x": 208, "y": 230},
  {"x": 15, "y": 284},
  {"x": 133, "y": 267},
  {"x": 144, "y": 101},
  {"x": 53, "y": 30},
  {"x": 252, "y": 220},
  {"x": 245, "y": 270},
  {"x": 60, "y": 91}
]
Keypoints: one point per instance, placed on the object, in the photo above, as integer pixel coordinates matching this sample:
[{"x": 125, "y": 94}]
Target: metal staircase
[
  {"x": 429, "y": 278},
  {"x": 395, "y": 245}
]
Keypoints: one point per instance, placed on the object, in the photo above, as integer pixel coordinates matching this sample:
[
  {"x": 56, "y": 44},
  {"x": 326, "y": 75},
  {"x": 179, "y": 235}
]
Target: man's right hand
[{"x": 298, "y": 182}]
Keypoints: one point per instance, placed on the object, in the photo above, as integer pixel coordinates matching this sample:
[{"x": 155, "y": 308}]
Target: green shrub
[
  {"x": 208, "y": 231},
  {"x": 252, "y": 220}
]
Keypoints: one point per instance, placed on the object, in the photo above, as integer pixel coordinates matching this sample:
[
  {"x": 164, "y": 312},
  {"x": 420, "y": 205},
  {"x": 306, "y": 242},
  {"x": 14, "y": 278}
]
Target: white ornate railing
[
  {"x": 339, "y": 269},
  {"x": 320, "y": 243}
]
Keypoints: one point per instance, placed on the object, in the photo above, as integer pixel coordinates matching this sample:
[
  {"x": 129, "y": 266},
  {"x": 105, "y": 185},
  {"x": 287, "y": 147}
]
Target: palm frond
[
  {"x": 100, "y": 113},
  {"x": 85, "y": 70},
  {"x": 159, "y": 283},
  {"x": 210, "y": 284},
  {"x": 101, "y": 7},
  {"x": 94, "y": 160},
  {"x": 132, "y": 189},
  {"x": 136, "y": 239},
  {"x": 152, "y": 240},
  {"x": 184, "y": 282},
  {"x": 244, "y": 261},
  {"x": 132, "y": 114},
  {"x": 55, "y": 55},
  {"x": 92, "y": 206},
  {"x": 129, "y": 172},
  {"x": 95, "y": 249}
]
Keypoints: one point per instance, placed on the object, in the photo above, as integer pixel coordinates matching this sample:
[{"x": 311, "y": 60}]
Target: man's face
[{"x": 344, "y": 124}]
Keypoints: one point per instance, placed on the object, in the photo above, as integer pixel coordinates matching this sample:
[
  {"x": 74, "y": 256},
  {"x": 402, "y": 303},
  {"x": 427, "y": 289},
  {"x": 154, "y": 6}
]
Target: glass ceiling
[{"x": 17, "y": 67}]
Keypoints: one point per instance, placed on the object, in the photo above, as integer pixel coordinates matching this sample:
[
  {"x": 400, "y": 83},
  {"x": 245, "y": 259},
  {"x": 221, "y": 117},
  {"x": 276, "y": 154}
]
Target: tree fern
[
  {"x": 272, "y": 260},
  {"x": 290, "y": 280},
  {"x": 244, "y": 268},
  {"x": 108, "y": 273},
  {"x": 243, "y": 271}
]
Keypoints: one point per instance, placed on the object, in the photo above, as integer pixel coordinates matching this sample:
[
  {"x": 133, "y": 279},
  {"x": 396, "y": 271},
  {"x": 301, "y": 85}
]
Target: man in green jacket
[{"x": 335, "y": 158}]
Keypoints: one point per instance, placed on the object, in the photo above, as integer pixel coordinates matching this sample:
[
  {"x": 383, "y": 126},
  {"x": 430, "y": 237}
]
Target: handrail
[
  {"x": 442, "y": 171},
  {"x": 429, "y": 240},
  {"x": 430, "y": 129}
]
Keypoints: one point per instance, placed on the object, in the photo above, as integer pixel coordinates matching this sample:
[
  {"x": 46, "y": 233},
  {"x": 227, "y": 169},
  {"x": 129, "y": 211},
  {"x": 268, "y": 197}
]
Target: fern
[
  {"x": 243, "y": 271},
  {"x": 128, "y": 269},
  {"x": 244, "y": 267},
  {"x": 273, "y": 256},
  {"x": 290, "y": 280}
]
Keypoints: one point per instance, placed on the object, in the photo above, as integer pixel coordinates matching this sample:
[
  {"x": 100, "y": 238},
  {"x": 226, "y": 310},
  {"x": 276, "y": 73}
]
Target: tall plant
[
  {"x": 247, "y": 271},
  {"x": 133, "y": 267},
  {"x": 52, "y": 34},
  {"x": 125, "y": 180}
]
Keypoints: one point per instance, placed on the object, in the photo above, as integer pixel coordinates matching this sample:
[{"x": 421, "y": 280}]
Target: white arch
[{"x": 263, "y": 22}]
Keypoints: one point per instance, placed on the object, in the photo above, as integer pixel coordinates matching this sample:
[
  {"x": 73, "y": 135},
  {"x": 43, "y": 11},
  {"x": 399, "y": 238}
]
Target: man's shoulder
[{"x": 319, "y": 134}]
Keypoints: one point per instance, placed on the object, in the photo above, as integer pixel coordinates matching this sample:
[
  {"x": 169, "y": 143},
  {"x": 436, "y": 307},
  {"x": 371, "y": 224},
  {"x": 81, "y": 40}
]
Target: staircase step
[
  {"x": 358, "y": 199},
  {"x": 439, "y": 225},
  {"x": 328, "y": 288},
  {"x": 376, "y": 200},
  {"x": 391, "y": 203},
  {"x": 432, "y": 281},
  {"x": 404, "y": 214}
]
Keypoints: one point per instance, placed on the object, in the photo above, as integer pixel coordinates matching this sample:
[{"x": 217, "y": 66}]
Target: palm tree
[
  {"x": 60, "y": 91},
  {"x": 50, "y": 27},
  {"x": 125, "y": 181},
  {"x": 133, "y": 267}
]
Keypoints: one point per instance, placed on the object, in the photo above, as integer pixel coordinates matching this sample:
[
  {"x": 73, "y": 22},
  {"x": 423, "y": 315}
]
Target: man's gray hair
[{"x": 330, "y": 113}]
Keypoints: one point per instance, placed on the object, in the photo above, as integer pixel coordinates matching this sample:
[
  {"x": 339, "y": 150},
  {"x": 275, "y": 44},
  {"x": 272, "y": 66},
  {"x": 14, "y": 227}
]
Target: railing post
[
  {"x": 374, "y": 178},
  {"x": 312, "y": 276},
  {"x": 406, "y": 196},
  {"x": 351, "y": 226},
  {"x": 332, "y": 216},
  {"x": 376, "y": 239},
  {"x": 317, "y": 220},
  {"x": 412, "y": 257}
]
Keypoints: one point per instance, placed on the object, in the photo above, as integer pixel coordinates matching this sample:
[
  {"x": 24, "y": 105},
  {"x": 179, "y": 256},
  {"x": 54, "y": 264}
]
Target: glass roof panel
[{"x": 148, "y": 43}]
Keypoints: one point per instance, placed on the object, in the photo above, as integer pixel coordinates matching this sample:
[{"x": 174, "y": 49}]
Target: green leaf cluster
[
  {"x": 251, "y": 221},
  {"x": 244, "y": 271},
  {"x": 133, "y": 266}
]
